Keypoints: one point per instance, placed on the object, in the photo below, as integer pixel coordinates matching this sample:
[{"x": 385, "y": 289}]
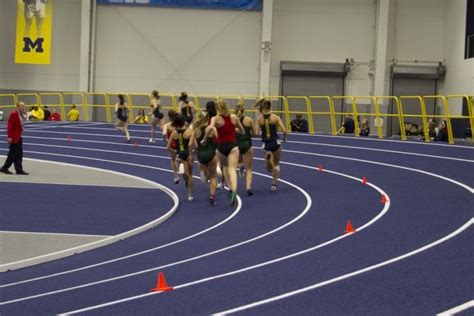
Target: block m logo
[{"x": 36, "y": 45}]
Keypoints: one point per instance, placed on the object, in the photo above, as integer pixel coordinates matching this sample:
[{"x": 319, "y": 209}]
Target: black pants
[{"x": 15, "y": 156}]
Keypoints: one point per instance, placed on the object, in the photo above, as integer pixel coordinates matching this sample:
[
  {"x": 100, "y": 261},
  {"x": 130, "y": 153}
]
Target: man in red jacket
[{"x": 14, "y": 130}]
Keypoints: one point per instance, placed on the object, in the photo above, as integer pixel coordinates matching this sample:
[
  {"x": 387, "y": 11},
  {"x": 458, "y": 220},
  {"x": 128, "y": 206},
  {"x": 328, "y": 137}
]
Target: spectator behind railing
[
  {"x": 364, "y": 127},
  {"x": 442, "y": 135},
  {"x": 432, "y": 130},
  {"x": 73, "y": 114},
  {"x": 55, "y": 116},
  {"x": 141, "y": 118},
  {"x": 348, "y": 126},
  {"x": 47, "y": 114},
  {"x": 37, "y": 114},
  {"x": 299, "y": 124}
]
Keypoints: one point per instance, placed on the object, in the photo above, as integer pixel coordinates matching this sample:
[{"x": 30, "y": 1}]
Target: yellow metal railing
[
  {"x": 284, "y": 106},
  {"x": 423, "y": 115}
]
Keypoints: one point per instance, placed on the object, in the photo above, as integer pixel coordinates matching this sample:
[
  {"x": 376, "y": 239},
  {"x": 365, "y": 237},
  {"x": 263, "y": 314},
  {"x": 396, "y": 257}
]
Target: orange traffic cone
[
  {"x": 364, "y": 180},
  {"x": 161, "y": 284},
  {"x": 320, "y": 167},
  {"x": 383, "y": 199},
  {"x": 349, "y": 228}
]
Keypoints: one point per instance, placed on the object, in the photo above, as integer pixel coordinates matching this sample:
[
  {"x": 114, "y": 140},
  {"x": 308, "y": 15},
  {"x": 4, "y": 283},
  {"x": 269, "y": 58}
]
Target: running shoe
[
  {"x": 190, "y": 198},
  {"x": 249, "y": 192},
  {"x": 273, "y": 188},
  {"x": 176, "y": 179},
  {"x": 212, "y": 200},
  {"x": 181, "y": 168},
  {"x": 152, "y": 140}
]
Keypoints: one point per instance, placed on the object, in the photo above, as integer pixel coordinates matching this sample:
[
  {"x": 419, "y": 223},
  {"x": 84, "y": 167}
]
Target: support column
[
  {"x": 266, "y": 48},
  {"x": 85, "y": 45},
  {"x": 381, "y": 40}
]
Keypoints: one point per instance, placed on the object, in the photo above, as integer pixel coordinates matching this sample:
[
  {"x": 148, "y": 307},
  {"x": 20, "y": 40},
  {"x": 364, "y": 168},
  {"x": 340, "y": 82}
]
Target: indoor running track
[{"x": 278, "y": 253}]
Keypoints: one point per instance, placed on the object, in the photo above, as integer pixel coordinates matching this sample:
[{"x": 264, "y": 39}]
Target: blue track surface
[{"x": 244, "y": 259}]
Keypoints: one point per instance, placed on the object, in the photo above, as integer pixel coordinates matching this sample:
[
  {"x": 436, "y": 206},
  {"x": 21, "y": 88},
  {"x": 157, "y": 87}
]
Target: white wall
[
  {"x": 63, "y": 72},
  {"x": 218, "y": 51},
  {"x": 460, "y": 73},
  {"x": 174, "y": 50},
  {"x": 324, "y": 31}
]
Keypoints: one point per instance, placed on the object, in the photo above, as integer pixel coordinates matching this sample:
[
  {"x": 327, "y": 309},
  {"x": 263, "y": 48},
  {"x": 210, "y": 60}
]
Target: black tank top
[
  {"x": 122, "y": 113},
  {"x": 269, "y": 130},
  {"x": 209, "y": 144},
  {"x": 248, "y": 132}
]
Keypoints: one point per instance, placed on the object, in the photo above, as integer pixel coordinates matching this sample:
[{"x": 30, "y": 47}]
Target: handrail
[
  {"x": 423, "y": 113},
  {"x": 308, "y": 111},
  {"x": 330, "y": 113},
  {"x": 447, "y": 114},
  {"x": 470, "y": 109},
  {"x": 354, "y": 111}
]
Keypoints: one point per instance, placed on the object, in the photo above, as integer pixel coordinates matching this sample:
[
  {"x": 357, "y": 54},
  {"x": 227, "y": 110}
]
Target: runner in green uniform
[{"x": 245, "y": 146}]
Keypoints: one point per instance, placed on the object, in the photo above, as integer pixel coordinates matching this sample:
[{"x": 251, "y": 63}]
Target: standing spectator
[
  {"x": 299, "y": 124},
  {"x": 55, "y": 116},
  {"x": 47, "y": 114},
  {"x": 348, "y": 125},
  {"x": 14, "y": 130},
  {"x": 73, "y": 114}
]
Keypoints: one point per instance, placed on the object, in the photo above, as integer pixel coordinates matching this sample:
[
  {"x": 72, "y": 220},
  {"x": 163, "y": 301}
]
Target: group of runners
[{"x": 220, "y": 139}]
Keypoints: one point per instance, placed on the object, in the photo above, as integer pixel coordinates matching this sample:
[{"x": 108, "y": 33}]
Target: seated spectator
[
  {"x": 432, "y": 132},
  {"x": 73, "y": 114},
  {"x": 37, "y": 114},
  {"x": 141, "y": 117},
  {"x": 47, "y": 114},
  {"x": 364, "y": 127},
  {"x": 299, "y": 124},
  {"x": 55, "y": 116},
  {"x": 442, "y": 135},
  {"x": 348, "y": 126}
]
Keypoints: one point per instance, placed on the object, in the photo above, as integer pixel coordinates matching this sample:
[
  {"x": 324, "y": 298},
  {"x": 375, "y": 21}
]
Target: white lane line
[
  {"x": 381, "y": 150},
  {"x": 383, "y": 140},
  {"x": 248, "y": 268},
  {"x": 303, "y": 213},
  {"x": 457, "y": 309},
  {"x": 296, "y": 142},
  {"x": 339, "y": 136},
  {"x": 52, "y": 234},
  {"x": 470, "y": 189},
  {"x": 106, "y": 241},
  {"x": 349, "y": 275},
  {"x": 237, "y": 210}
]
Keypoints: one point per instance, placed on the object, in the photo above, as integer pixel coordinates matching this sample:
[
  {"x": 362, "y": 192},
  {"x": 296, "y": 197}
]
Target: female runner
[
  {"x": 156, "y": 114},
  {"x": 121, "y": 112},
  {"x": 181, "y": 136},
  {"x": 269, "y": 123},
  {"x": 245, "y": 146},
  {"x": 227, "y": 149},
  {"x": 206, "y": 151}
]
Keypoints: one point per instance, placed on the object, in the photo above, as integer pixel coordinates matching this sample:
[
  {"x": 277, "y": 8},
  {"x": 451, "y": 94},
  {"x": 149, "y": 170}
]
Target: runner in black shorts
[
  {"x": 269, "y": 123},
  {"x": 245, "y": 146},
  {"x": 227, "y": 148},
  {"x": 157, "y": 116},
  {"x": 206, "y": 150},
  {"x": 181, "y": 136},
  {"x": 168, "y": 129},
  {"x": 121, "y": 112},
  {"x": 186, "y": 108}
]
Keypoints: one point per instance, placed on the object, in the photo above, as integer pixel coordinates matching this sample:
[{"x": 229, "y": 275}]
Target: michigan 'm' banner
[{"x": 33, "y": 32}]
